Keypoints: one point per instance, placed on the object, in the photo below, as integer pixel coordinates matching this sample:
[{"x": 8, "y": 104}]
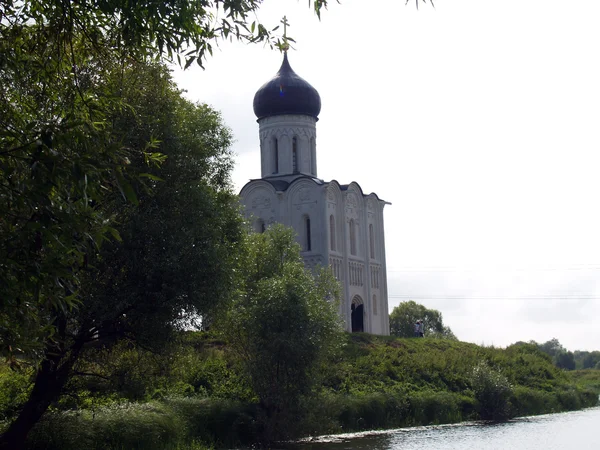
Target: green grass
[
  {"x": 174, "y": 423},
  {"x": 587, "y": 379},
  {"x": 194, "y": 397}
]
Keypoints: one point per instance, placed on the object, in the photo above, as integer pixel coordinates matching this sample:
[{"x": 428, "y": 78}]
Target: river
[{"x": 564, "y": 431}]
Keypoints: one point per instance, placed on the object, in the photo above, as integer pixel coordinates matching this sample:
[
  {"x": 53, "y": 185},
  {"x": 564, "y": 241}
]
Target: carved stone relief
[
  {"x": 351, "y": 200},
  {"x": 261, "y": 202},
  {"x": 303, "y": 197},
  {"x": 304, "y": 194}
]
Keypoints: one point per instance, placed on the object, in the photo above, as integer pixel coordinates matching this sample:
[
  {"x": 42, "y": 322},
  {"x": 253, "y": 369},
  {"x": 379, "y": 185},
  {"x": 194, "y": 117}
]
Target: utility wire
[
  {"x": 483, "y": 297},
  {"x": 495, "y": 269}
]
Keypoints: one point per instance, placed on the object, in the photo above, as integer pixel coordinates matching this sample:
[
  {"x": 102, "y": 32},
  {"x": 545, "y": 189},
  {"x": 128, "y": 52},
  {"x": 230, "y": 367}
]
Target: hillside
[{"x": 195, "y": 394}]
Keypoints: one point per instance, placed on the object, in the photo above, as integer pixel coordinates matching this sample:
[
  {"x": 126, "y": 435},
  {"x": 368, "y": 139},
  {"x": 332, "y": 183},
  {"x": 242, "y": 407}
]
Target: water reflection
[{"x": 549, "y": 432}]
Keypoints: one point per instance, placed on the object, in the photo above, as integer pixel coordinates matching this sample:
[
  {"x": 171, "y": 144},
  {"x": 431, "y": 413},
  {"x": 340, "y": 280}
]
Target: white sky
[{"x": 479, "y": 121}]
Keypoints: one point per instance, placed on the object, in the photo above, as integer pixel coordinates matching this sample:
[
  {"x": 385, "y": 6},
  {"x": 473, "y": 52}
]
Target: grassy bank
[
  {"x": 193, "y": 396},
  {"x": 384, "y": 382}
]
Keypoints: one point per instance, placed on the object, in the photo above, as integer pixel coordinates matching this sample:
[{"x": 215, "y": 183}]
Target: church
[{"x": 336, "y": 224}]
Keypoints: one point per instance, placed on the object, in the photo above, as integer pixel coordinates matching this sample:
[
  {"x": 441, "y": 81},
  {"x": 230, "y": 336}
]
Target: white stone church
[{"x": 337, "y": 225}]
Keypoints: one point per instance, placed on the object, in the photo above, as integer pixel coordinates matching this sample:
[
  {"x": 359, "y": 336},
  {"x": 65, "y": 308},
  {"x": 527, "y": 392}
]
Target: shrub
[
  {"x": 169, "y": 424},
  {"x": 14, "y": 391},
  {"x": 369, "y": 411},
  {"x": 526, "y": 401},
  {"x": 429, "y": 407},
  {"x": 126, "y": 426},
  {"x": 492, "y": 392}
]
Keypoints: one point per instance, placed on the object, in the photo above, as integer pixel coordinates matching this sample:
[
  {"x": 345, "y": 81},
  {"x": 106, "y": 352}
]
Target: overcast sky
[{"x": 479, "y": 121}]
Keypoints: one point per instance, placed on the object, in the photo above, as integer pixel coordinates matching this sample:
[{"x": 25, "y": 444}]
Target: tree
[
  {"x": 179, "y": 235},
  {"x": 564, "y": 360},
  {"x": 283, "y": 326},
  {"x": 68, "y": 159},
  {"x": 404, "y": 316},
  {"x": 551, "y": 347},
  {"x": 590, "y": 359},
  {"x": 61, "y": 157},
  {"x": 492, "y": 391}
]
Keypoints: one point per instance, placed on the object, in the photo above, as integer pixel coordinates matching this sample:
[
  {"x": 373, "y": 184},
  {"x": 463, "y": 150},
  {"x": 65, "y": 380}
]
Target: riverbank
[
  {"x": 194, "y": 398},
  {"x": 574, "y": 429}
]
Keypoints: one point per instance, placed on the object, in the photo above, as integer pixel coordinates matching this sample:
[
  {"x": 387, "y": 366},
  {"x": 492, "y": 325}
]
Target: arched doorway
[{"x": 357, "y": 315}]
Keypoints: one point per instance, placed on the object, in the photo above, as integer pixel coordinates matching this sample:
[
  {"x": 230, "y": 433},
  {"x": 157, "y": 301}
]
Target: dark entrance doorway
[{"x": 357, "y": 315}]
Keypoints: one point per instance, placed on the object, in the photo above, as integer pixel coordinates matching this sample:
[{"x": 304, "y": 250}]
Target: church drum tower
[{"x": 336, "y": 224}]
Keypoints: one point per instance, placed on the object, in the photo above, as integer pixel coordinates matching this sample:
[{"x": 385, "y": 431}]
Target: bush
[
  {"x": 492, "y": 392},
  {"x": 169, "y": 424},
  {"x": 429, "y": 407},
  {"x": 284, "y": 328},
  {"x": 569, "y": 399},
  {"x": 527, "y": 401},
  {"x": 14, "y": 391},
  {"x": 226, "y": 422},
  {"x": 370, "y": 411},
  {"x": 126, "y": 426}
]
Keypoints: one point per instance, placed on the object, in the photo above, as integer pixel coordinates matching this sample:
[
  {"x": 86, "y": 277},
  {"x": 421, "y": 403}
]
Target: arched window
[
  {"x": 307, "y": 242},
  {"x": 352, "y": 237},
  {"x": 371, "y": 241},
  {"x": 332, "y": 233},
  {"x": 374, "y": 305},
  {"x": 295, "y": 154},
  {"x": 275, "y": 156},
  {"x": 313, "y": 155}
]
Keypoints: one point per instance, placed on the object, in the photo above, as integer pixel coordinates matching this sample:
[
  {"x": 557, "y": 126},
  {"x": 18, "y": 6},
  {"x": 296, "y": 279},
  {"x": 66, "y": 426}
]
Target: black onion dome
[{"x": 286, "y": 93}]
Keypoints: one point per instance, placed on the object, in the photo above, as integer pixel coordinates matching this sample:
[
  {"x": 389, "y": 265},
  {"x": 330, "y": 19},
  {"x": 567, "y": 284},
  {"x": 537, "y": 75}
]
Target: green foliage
[
  {"x": 184, "y": 31},
  {"x": 187, "y": 367},
  {"x": 14, "y": 390},
  {"x": 551, "y": 347},
  {"x": 72, "y": 132},
  {"x": 342, "y": 413},
  {"x": 564, "y": 360},
  {"x": 404, "y": 316},
  {"x": 113, "y": 183},
  {"x": 587, "y": 379},
  {"x": 177, "y": 261},
  {"x": 527, "y": 401},
  {"x": 149, "y": 425},
  {"x": 492, "y": 392},
  {"x": 284, "y": 325},
  {"x": 403, "y": 367},
  {"x": 62, "y": 164},
  {"x": 429, "y": 407},
  {"x": 194, "y": 392},
  {"x": 586, "y": 360},
  {"x": 171, "y": 423}
]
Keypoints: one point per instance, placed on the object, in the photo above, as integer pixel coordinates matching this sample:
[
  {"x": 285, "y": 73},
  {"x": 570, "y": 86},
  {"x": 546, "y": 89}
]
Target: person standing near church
[
  {"x": 417, "y": 329},
  {"x": 421, "y": 329}
]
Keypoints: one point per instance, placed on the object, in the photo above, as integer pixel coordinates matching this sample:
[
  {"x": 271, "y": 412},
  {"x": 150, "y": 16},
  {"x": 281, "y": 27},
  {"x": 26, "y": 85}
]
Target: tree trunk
[{"x": 52, "y": 376}]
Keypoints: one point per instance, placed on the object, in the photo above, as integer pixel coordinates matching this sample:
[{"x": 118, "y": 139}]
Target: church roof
[
  {"x": 286, "y": 93},
  {"x": 282, "y": 184}
]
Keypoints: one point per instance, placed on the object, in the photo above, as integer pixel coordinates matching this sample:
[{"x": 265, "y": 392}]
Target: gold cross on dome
[{"x": 285, "y": 45}]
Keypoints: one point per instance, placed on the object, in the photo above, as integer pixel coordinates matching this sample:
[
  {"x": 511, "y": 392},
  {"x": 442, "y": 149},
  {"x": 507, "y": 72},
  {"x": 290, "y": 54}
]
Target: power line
[
  {"x": 495, "y": 269},
  {"x": 483, "y": 297}
]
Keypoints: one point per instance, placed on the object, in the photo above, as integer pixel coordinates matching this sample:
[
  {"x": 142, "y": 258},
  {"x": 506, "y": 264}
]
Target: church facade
[{"x": 337, "y": 225}]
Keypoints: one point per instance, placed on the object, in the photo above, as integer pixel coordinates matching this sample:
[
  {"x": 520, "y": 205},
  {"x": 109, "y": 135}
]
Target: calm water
[{"x": 573, "y": 430}]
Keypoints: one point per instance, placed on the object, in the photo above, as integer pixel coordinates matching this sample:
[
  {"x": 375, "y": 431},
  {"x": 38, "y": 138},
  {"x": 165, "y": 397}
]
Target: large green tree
[
  {"x": 71, "y": 153},
  {"x": 62, "y": 155},
  {"x": 404, "y": 316},
  {"x": 283, "y": 326},
  {"x": 174, "y": 219}
]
